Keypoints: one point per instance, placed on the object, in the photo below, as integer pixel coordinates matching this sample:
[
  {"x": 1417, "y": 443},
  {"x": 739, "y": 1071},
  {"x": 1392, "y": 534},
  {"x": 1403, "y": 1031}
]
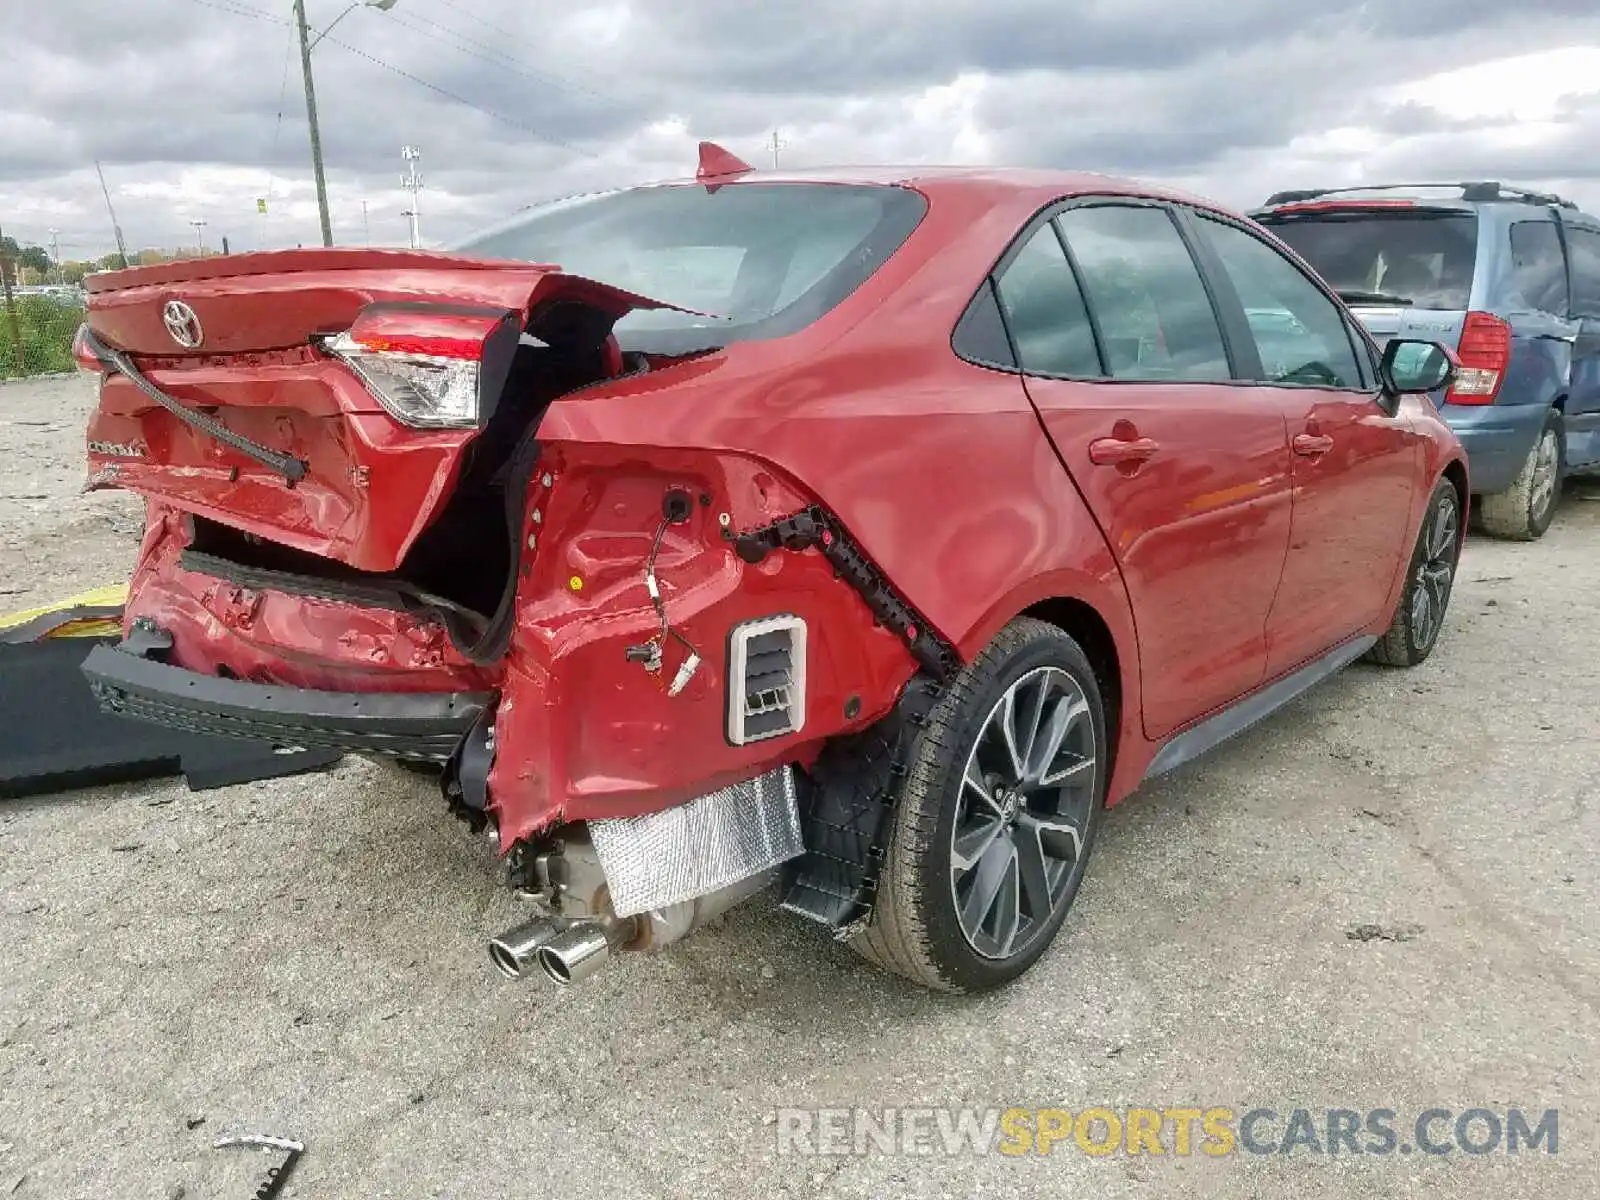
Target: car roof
[
  {"x": 1463, "y": 197},
  {"x": 1012, "y": 183}
]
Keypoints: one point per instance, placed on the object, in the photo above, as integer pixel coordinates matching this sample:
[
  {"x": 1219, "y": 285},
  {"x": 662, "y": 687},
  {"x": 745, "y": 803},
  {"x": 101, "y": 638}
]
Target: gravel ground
[{"x": 306, "y": 957}]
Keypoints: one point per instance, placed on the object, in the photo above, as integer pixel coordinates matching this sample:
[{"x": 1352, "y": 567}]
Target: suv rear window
[
  {"x": 1423, "y": 259},
  {"x": 762, "y": 259}
]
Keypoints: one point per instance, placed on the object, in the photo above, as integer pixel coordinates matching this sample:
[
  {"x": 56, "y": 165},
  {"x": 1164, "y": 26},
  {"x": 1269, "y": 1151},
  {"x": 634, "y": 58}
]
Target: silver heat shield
[{"x": 709, "y": 843}]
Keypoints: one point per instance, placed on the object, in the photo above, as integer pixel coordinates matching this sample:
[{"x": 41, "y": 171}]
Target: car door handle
[
  {"x": 1312, "y": 445},
  {"x": 1115, "y": 451}
]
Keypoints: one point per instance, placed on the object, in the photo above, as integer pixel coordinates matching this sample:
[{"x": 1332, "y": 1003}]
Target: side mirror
[{"x": 1411, "y": 366}]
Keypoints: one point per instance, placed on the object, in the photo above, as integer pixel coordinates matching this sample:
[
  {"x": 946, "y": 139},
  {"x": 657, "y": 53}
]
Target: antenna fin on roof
[{"x": 716, "y": 162}]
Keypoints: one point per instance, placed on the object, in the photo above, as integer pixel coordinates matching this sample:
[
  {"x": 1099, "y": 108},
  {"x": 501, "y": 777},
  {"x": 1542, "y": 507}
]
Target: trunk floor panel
[{"x": 57, "y": 737}]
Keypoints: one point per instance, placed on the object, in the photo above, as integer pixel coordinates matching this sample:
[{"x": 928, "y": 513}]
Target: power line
[
  {"x": 283, "y": 92},
  {"x": 240, "y": 10},
  {"x": 489, "y": 54},
  {"x": 449, "y": 95}
]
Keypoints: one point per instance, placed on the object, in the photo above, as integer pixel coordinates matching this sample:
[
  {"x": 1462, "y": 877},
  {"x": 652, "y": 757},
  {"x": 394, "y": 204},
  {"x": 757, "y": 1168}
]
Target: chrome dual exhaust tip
[
  {"x": 564, "y": 951},
  {"x": 516, "y": 950},
  {"x": 575, "y": 953}
]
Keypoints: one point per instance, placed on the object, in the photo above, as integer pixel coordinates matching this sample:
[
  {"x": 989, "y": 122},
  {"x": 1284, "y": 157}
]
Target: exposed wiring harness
[{"x": 675, "y": 511}]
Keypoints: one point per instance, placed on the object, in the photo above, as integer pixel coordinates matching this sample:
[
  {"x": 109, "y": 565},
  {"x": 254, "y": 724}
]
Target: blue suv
[{"x": 1510, "y": 277}]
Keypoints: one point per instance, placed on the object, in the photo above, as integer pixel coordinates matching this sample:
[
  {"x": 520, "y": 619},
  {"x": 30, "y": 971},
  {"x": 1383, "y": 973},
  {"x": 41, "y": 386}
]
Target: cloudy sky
[{"x": 195, "y": 109}]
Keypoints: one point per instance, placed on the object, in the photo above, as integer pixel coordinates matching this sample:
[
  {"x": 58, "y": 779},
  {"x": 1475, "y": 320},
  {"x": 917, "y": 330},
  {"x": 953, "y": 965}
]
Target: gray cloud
[{"x": 181, "y": 100}]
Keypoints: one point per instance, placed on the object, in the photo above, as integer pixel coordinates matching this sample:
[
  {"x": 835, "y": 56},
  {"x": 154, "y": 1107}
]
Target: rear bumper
[
  {"x": 1497, "y": 439},
  {"x": 428, "y": 726}
]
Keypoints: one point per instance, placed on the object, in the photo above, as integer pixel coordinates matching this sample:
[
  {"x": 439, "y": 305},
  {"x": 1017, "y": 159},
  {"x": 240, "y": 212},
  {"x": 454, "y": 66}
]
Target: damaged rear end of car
[{"x": 378, "y": 521}]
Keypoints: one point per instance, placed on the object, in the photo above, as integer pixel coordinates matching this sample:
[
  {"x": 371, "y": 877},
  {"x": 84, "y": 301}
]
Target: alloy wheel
[
  {"x": 1017, "y": 842},
  {"x": 1430, "y": 592},
  {"x": 1546, "y": 470}
]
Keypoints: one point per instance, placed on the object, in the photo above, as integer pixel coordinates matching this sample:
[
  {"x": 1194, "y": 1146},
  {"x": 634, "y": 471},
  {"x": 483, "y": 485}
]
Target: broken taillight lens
[{"x": 431, "y": 366}]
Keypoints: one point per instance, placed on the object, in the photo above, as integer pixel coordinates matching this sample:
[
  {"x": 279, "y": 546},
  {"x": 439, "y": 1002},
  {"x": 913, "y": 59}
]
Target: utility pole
[
  {"x": 122, "y": 249},
  {"x": 306, "y": 43},
  {"x": 366, "y": 226},
  {"x": 11, "y": 306},
  {"x": 199, "y": 235},
  {"x": 55, "y": 255},
  {"x": 412, "y": 182},
  {"x": 775, "y": 145},
  {"x": 311, "y": 118}
]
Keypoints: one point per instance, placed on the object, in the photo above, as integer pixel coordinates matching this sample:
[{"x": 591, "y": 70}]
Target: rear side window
[
  {"x": 1381, "y": 257},
  {"x": 1156, "y": 320},
  {"x": 1299, "y": 332},
  {"x": 1584, "y": 246},
  {"x": 1044, "y": 310},
  {"x": 1538, "y": 268}
]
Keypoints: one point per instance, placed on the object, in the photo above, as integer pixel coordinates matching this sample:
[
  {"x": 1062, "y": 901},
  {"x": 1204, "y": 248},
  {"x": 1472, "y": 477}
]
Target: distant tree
[
  {"x": 109, "y": 262},
  {"x": 73, "y": 272},
  {"x": 35, "y": 258}
]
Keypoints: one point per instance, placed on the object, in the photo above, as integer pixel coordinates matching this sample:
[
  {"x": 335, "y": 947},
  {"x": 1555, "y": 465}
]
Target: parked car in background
[
  {"x": 885, "y": 525},
  {"x": 1509, "y": 277}
]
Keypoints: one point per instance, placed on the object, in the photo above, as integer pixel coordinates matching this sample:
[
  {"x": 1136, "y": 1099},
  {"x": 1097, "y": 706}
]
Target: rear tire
[
  {"x": 1430, "y": 577},
  {"x": 1524, "y": 511},
  {"x": 991, "y": 833}
]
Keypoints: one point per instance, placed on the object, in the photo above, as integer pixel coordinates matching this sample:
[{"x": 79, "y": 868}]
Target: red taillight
[
  {"x": 1485, "y": 352},
  {"x": 431, "y": 365},
  {"x": 431, "y": 330}
]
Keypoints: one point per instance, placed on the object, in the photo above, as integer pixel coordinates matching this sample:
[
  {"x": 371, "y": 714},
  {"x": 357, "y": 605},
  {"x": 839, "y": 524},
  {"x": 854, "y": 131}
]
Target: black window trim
[
  {"x": 1048, "y": 213},
  {"x": 1366, "y": 349}
]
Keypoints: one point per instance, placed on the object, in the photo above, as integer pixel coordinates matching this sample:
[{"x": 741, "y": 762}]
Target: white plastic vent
[{"x": 766, "y": 679}]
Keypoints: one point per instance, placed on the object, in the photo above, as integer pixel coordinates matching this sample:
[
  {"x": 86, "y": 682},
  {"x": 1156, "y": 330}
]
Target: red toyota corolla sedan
[{"x": 868, "y": 532}]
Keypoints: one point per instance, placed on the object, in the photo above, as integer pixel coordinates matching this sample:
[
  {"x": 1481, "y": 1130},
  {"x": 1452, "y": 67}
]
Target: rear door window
[
  {"x": 1421, "y": 259},
  {"x": 1044, "y": 310},
  {"x": 1584, "y": 246},
  {"x": 1538, "y": 268},
  {"x": 1155, "y": 318},
  {"x": 1299, "y": 332}
]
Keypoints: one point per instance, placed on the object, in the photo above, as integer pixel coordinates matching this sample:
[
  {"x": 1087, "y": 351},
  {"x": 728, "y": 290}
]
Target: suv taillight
[{"x": 1485, "y": 351}]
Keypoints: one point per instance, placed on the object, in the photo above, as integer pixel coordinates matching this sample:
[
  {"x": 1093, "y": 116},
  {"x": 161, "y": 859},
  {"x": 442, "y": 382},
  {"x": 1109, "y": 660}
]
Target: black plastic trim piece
[
  {"x": 1197, "y": 739},
  {"x": 846, "y": 809},
  {"x": 426, "y": 725}
]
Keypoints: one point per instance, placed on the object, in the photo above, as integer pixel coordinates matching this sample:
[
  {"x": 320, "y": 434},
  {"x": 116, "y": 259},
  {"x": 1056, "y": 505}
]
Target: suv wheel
[
  {"x": 996, "y": 817},
  {"x": 1524, "y": 510},
  {"x": 1429, "y": 579}
]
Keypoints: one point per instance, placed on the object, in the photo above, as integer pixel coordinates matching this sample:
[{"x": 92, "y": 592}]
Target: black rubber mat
[{"x": 53, "y": 735}]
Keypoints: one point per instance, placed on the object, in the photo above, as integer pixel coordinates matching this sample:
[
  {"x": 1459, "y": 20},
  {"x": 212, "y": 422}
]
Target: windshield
[
  {"x": 1422, "y": 259},
  {"x": 759, "y": 259}
]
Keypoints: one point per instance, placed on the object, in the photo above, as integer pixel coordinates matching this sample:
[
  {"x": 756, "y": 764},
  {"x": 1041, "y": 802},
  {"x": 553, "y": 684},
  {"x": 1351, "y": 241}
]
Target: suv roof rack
[{"x": 1476, "y": 191}]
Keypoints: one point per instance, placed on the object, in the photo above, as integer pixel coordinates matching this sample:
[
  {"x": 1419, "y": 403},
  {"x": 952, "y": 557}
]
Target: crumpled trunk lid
[{"x": 236, "y": 342}]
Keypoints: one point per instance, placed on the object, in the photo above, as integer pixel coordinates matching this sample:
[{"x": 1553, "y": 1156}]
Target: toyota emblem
[{"x": 182, "y": 324}]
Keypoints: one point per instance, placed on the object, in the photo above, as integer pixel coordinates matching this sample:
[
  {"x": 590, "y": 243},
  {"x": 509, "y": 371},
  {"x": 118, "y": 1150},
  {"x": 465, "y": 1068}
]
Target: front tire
[
  {"x": 1430, "y": 577},
  {"x": 996, "y": 817},
  {"x": 1524, "y": 511}
]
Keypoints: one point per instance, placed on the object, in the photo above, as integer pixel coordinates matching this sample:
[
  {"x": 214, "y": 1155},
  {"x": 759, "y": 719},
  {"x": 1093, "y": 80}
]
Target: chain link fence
[{"x": 36, "y": 336}]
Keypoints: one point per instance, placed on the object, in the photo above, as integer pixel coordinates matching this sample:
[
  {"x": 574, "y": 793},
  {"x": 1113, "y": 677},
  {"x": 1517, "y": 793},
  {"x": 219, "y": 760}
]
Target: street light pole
[{"x": 311, "y": 118}]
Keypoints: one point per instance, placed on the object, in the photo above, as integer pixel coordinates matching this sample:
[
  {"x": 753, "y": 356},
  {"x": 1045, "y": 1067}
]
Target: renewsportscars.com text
[{"x": 1179, "y": 1131}]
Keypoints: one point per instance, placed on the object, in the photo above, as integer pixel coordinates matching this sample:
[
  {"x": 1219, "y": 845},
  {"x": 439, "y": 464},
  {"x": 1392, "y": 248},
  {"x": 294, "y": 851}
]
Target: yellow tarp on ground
[{"x": 88, "y": 614}]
